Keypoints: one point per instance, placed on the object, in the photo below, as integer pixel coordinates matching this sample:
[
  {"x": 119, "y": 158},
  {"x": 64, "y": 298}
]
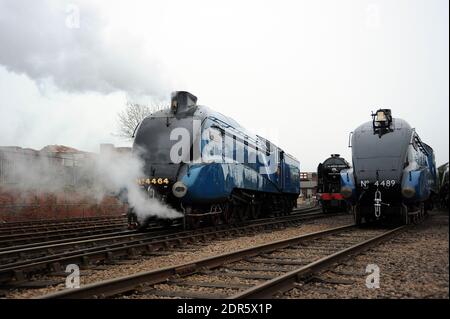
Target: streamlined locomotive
[
  {"x": 394, "y": 173},
  {"x": 443, "y": 186},
  {"x": 209, "y": 168},
  {"x": 329, "y": 183}
]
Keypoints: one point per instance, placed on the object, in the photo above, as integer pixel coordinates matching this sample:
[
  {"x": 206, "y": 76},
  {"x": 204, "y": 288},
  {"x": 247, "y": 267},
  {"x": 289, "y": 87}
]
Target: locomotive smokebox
[{"x": 182, "y": 101}]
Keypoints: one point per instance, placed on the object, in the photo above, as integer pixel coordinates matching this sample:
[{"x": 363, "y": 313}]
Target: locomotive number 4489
[{"x": 382, "y": 183}]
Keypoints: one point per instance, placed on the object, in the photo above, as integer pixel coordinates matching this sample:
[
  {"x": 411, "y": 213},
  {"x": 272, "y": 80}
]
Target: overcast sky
[{"x": 301, "y": 73}]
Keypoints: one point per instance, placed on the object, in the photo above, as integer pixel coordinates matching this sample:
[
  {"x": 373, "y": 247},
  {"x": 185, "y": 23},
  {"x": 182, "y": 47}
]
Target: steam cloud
[
  {"x": 71, "y": 47},
  {"x": 109, "y": 173},
  {"x": 120, "y": 171}
]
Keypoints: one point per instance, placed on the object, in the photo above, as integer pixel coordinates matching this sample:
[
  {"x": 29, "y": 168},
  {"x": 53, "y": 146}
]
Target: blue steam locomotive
[
  {"x": 209, "y": 168},
  {"x": 394, "y": 173}
]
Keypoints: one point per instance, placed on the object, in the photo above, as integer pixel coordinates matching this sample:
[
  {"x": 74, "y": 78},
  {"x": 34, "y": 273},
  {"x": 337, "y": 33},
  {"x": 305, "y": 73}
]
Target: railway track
[
  {"x": 22, "y": 241},
  {"x": 19, "y": 263},
  {"x": 23, "y": 233},
  {"x": 262, "y": 271},
  {"x": 43, "y": 222},
  {"x": 14, "y": 239},
  {"x": 56, "y": 225}
]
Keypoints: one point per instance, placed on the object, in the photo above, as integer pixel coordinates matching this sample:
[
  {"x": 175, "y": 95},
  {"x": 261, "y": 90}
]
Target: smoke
[
  {"x": 94, "y": 176},
  {"x": 118, "y": 172},
  {"x": 73, "y": 47},
  {"x": 29, "y": 171}
]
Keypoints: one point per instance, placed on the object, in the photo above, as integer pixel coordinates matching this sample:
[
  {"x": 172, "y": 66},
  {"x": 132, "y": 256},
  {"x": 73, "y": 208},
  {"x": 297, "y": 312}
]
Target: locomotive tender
[
  {"x": 394, "y": 172},
  {"x": 209, "y": 168},
  {"x": 329, "y": 183}
]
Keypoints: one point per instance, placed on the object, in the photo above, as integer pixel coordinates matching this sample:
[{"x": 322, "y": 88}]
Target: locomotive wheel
[
  {"x": 416, "y": 219},
  {"x": 214, "y": 219},
  {"x": 357, "y": 215},
  {"x": 228, "y": 213},
  {"x": 143, "y": 225},
  {"x": 242, "y": 213},
  {"x": 167, "y": 223},
  {"x": 404, "y": 215},
  {"x": 254, "y": 211},
  {"x": 132, "y": 219},
  {"x": 286, "y": 208},
  {"x": 429, "y": 205},
  {"x": 282, "y": 207},
  {"x": 193, "y": 222},
  {"x": 344, "y": 207},
  {"x": 422, "y": 212}
]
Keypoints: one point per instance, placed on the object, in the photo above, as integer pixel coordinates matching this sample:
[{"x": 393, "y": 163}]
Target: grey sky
[{"x": 301, "y": 73}]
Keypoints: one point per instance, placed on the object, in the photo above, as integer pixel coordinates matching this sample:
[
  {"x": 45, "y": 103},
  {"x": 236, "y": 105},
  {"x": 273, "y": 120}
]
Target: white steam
[
  {"x": 71, "y": 46},
  {"x": 121, "y": 171},
  {"x": 94, "y": 176}
]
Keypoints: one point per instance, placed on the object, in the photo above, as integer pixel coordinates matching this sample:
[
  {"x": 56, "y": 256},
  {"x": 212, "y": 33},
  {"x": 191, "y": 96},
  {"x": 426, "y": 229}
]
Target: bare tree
[{"x": 133, "y": 114}]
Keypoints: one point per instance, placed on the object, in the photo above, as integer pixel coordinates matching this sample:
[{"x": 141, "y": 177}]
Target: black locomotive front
[
  {"x": 329, "y": 185},
  {"x": 154, "y": 143}
]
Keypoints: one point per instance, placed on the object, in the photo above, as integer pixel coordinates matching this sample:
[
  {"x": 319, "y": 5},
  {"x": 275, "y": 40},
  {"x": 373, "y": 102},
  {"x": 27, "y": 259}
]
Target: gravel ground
[
  {"x": 179, "y": 256},
  {"x": 264, "y": 264},
  {"x": 414, "y": 264}
]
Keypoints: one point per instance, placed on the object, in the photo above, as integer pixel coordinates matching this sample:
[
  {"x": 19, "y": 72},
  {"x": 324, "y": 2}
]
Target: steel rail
[
  {"x": 285, "y": 282},
  {"x": 23, "y": 238},
  {"x": 130, "y": 233},
  {"x": 51, "y": 232},
  {"x": 60, "y": 225},
  {"x": 116, "y": 286},
  {"x": 38, "y": 222},
  {"x": 144, "y": 245}
]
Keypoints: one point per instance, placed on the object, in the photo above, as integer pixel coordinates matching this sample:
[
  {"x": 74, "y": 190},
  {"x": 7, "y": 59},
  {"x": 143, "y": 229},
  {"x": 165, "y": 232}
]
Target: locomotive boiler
[{"x": 394, "y": 173}]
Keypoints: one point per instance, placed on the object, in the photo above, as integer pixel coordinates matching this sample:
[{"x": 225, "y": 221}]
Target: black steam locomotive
[{"x": 329, "y": 183}]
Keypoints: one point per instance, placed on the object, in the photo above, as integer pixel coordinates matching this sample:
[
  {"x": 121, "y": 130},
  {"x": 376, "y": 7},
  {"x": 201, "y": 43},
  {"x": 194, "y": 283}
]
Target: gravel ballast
[
  {"x": 414, "y": 264},
  {"x": 179, "y": 255}
]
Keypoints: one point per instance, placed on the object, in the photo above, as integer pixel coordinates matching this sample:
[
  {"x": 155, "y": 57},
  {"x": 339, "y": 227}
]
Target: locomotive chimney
[{"x": 182, "y": 101}]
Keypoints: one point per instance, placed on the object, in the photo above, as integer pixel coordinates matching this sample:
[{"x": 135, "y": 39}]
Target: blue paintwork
[
  {"x": 420, "y": 174},
  {"x": 348, "y": 182},
  {"x": 433, "y": 176},
  {"x": 215, "y": 181},
  {"x": 291, "y": 170},
  {"x": 417, "y": 180},
  {"x": 415, "y": 158},
  {"x": 220, "y": 172}
]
